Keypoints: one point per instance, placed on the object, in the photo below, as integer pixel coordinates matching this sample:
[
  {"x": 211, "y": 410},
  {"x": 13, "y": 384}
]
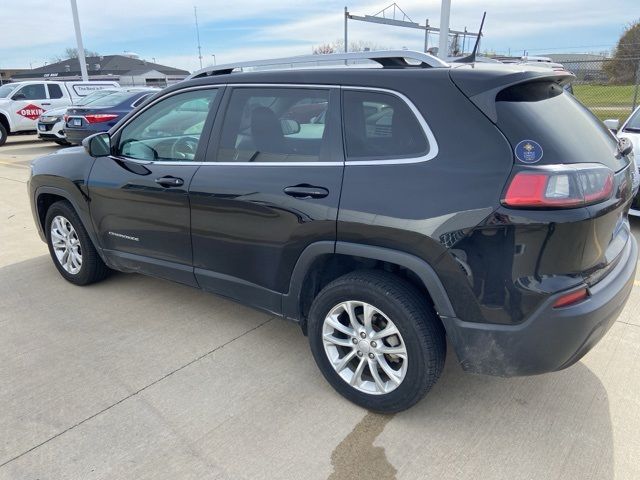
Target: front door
[
  {"x": 270, "y": 187},
  {"x": 29, "y": 102},
  {"x": 139, "y": 194}
]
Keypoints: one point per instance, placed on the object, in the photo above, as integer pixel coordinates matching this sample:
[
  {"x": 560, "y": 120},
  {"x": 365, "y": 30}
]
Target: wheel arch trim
[
  {"x": 424, "y": 271},
  {"x": 82, "y": 214}
]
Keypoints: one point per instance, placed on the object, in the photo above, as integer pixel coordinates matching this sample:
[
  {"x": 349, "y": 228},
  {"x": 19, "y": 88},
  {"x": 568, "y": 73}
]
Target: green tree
[{"x": 626, "y": 58}]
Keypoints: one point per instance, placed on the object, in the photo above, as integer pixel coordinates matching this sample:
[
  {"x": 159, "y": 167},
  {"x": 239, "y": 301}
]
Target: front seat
[{"x": 266, "y": 131}]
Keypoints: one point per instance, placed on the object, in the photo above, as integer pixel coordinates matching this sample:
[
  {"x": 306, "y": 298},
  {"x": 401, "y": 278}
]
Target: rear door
[
  {"x": 269, "y": 188},
  {"x": 58, "y": 97},
  {"x": 139, "y": 194}
]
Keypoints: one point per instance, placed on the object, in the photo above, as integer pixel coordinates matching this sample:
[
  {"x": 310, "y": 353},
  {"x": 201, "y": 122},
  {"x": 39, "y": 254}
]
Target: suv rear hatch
[{"x": 573, "y": 185}]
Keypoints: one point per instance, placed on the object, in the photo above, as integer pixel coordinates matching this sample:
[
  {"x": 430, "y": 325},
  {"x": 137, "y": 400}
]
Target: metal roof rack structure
[{"x": 386, "y": 58}]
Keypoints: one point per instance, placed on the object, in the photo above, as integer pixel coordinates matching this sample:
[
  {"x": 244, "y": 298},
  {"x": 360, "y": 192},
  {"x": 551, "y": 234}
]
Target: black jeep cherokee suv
[{"x": 384, "y": 209}]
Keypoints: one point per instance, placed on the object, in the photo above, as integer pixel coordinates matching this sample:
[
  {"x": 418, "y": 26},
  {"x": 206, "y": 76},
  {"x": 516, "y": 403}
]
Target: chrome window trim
[{"x": 433, "y": 144}]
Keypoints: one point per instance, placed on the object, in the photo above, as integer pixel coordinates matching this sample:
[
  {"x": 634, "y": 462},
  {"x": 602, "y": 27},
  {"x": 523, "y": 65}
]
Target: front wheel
[
  {"x": 70, "y": 247},
  {"x": 376, "y": 340},
  {"x": 3, "y": 135}
]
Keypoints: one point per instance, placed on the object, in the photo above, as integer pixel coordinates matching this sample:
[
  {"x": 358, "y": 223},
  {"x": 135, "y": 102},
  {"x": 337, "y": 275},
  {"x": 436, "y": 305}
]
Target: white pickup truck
[{"x": 22, "y": 103}]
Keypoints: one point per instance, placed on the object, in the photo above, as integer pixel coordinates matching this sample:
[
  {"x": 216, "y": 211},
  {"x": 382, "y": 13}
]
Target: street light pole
[
  {"x": 76, "y": 25},
  {"x": 214, "y": 59},
  {"x": 443, "y": 46}
]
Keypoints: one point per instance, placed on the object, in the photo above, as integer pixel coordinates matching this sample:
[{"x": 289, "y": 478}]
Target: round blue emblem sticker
[{"x": 528, "y": 151}]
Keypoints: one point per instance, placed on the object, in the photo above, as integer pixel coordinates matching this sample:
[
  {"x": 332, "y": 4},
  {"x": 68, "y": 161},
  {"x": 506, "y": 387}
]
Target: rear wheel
[
  {"x": 70, "y": 247},
  {"x": 376, "y": 340},
  {"x": 3, "y": 134}
]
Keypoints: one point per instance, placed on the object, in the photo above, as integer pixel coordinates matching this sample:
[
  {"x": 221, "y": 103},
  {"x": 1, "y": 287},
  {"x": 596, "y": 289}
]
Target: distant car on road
[
  {"x": 630, "y": 130},
  {"x": 51, "y": 122},
  {"x": 103, "y": 113}
]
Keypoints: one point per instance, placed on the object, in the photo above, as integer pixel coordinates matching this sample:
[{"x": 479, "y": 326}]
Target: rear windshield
[
  {"x": 92, "y": 97},
  {"x": 566, "y": 130},
  {"x": 113, "y": 99},
  {"x": 633, "y": 125}
]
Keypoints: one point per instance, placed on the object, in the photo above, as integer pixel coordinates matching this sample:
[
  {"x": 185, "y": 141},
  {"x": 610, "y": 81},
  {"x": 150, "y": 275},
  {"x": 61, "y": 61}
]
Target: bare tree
[
  {"x": 337, "y": 46},
  {"x": 71, "y": 52}
]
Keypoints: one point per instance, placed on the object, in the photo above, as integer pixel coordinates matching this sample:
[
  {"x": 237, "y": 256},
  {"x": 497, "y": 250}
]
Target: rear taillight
[
  {"x": 100, "y": 117},
  {"x": 559, "y": 186},
  {"x": 65, "y": 118}
]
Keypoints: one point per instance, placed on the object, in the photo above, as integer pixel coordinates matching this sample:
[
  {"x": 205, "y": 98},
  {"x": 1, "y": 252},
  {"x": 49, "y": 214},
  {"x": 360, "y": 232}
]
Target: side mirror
[
  {"x": 98, "y": 144},
  {"x": 289, "y": 126},
  {"x": 19, "y": 96},
  {"x": 612, "y": 124}
]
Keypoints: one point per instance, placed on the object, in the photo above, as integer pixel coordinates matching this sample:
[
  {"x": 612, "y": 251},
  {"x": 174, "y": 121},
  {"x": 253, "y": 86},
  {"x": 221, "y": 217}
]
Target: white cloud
[{"x": 29, "y": 28}]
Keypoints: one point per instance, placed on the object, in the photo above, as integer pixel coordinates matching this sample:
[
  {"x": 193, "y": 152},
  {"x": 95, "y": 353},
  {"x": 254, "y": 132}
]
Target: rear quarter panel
[{"x": 426, "y": 208}]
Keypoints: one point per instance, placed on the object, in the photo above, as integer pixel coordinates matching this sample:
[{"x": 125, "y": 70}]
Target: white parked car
[
  {"x": 22, "y": 103},
  {"x": 51, "y": 123},
  {"x": 631, "y": 130}
]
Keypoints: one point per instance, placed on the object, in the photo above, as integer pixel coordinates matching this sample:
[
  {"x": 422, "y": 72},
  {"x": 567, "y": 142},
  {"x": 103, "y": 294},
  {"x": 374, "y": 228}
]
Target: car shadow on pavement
[{"x": 556, "y": 425}]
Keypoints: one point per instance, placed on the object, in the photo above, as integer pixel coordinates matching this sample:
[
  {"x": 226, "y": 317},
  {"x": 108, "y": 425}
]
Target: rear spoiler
[{"x": 482, "y": 85}]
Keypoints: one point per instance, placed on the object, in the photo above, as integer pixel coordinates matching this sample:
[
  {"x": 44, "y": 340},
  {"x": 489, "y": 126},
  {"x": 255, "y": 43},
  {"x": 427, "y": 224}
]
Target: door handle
[
  {"x": 43, "y": 103},
  {"x": 306, "y": 191},
  {"x": 169, "y": 181}
]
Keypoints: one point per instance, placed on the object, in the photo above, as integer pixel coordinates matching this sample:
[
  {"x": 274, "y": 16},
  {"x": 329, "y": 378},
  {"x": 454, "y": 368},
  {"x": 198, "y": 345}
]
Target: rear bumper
[
  {"x": 76, "y": 136},
  {"x": 550, "y": 339}
]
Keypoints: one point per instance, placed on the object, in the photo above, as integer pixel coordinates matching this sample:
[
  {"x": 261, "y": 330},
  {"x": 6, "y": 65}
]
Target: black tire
[
  {"x": 92, "y": 268},
  {"x": 3, "y": 135},
  {"x": 62, "y": 143},
  {"x": 417, "y": 322}
]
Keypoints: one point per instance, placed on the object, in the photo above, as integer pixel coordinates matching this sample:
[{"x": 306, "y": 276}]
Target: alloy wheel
[
  {"x": 365, "y": 347},
  {"x": 66, "y": 244}
]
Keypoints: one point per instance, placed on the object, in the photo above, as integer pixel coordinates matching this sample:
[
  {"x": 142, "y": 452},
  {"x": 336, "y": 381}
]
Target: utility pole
[
  {"x": 195, "y": 12},
  {"x": 426, "y": 35},
  {"x": 443, "y": 46},
  {"x": 76, "y": 26},
  {"x": 346, "y": 18}
]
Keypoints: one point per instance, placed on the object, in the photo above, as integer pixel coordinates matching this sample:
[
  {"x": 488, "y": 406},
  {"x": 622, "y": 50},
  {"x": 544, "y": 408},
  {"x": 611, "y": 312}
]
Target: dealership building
[{"x": 128, "y": 70}]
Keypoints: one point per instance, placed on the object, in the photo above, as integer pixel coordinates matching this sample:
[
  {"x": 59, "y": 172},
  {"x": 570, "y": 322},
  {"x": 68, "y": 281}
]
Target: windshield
[
  {"x": 5, "y": 90},
  {"x": 92, "y": 97},
  {"x": 633, "y": 124}
]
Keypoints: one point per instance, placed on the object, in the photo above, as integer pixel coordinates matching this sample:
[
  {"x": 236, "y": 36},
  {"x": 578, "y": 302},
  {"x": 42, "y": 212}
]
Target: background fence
[{"x": 609, "y": 87}]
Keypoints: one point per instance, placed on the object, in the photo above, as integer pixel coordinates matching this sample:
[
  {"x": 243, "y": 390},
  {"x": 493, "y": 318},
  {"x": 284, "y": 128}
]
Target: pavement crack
[
  {"x": 13, "y": 180},
  {"x": 176, "y": 370}
]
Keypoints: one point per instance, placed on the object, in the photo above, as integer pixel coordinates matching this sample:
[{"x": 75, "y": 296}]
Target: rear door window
[
  {"x": 276, "y": 125},
  {"x": 381, "y": 126},
  {"x": 54, "y": 91}
]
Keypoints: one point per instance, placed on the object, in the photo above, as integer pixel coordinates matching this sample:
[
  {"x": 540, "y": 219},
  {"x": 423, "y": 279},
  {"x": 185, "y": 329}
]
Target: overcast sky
[{"x": 32, "y": 32}]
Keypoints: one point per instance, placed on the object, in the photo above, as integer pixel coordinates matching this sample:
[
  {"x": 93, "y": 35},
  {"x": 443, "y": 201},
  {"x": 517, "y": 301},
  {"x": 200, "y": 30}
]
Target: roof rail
[{"x": 386, "y": 58}]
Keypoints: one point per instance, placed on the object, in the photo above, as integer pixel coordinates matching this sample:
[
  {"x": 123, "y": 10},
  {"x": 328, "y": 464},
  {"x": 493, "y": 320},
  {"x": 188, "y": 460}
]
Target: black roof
[{"x": 108, "y": 64}]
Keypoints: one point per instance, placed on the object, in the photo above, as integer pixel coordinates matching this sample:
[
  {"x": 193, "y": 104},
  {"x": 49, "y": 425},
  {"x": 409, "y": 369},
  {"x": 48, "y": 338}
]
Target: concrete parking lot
[{"x": 138, "y": 378}]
